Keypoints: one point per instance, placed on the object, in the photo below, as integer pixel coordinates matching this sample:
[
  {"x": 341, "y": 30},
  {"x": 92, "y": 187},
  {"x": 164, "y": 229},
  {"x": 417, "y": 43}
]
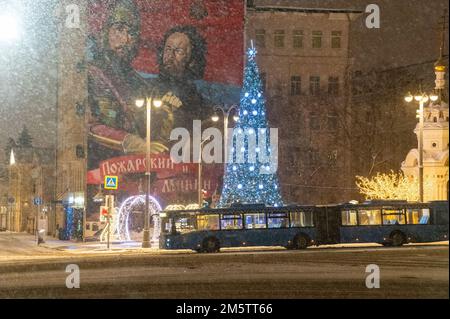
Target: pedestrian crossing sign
[{"x": 111, "y": 182}]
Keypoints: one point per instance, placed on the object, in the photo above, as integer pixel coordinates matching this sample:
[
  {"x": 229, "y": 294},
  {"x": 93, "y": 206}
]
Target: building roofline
[{"x": 301, "y": 9}]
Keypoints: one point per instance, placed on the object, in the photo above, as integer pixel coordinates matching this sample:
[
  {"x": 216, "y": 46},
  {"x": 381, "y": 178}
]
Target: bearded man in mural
[{"x": 182, "y": 61}]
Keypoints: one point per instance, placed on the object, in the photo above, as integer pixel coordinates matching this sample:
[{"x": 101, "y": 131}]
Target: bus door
[{"x": 328, "y": 225}]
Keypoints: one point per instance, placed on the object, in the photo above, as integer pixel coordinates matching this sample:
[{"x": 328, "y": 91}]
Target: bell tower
[{"x": 435, "y": 138}]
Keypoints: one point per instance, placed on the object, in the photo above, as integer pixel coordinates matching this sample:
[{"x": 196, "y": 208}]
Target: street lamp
[
  {"x": 149, "y": 102},
  {"x": 9, "y": 27},
  {"x": 421, "y": 98},
  {"x": 226, "y": 114}
]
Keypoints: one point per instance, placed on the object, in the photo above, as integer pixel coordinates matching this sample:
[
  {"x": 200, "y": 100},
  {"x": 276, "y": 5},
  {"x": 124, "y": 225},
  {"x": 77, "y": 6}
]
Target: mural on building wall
[{"x": 187, "y": 53}]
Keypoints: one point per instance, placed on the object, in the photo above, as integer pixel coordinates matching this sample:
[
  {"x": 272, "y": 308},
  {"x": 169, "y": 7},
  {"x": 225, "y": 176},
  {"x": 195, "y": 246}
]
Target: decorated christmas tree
[{"x": 250, "y": 176}]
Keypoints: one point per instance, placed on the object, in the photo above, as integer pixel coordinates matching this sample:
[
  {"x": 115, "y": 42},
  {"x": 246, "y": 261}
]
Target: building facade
[
  {"x": 434, "y": 143},
  {"x": 31, "y": 189},
  {"x": 71, "y": 115},
  {"x": 304, "y": 61}
]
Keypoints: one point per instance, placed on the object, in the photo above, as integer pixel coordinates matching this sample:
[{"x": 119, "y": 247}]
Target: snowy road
[{"x": 407, "y": 272}]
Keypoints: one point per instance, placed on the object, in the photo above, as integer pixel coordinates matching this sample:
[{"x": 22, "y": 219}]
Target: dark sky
[
  {"x": 408, "y": 35},
  {"x": 27, "y": 73}
]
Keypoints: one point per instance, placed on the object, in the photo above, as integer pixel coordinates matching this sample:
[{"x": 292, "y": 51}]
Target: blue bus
[
  {"x": 394, "y": 223},
  {"x": 297, "y": 227}
]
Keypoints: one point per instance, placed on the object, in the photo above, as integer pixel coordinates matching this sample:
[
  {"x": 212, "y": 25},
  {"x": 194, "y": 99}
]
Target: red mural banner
[{"x": 188, "y": 54}]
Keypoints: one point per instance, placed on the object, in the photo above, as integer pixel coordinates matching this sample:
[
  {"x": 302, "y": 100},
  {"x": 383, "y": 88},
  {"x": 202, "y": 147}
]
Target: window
[
  {"x": 279, "y": 39},
  {"x": 336, "y": 39},
  {"x": 88, "y": 226},
  {"x": 296, "y": 85},
  {"x": 418, "y": 216},
  {"x": 369, "y": 217},
  {"x": 393, "y": 217},
  {"x": 297, "y": 39},
  {"x": 333, "y": 85},
  {"x": 229, "y": 222},
  {"x": 263, "y": 81},
  {"x": 208, "y": 222},
  {"x": 277, "y": 220},
  {"x": 184, "y": 224},
  {"x": 332, "y": 121},
  {"x": 302, "y": 219},
  {"x": 317, "y": 39},
  {"x": 95, "y": 227},
  {"x": 260, "y": 37},
  {"x": 314, "y": 85},
  {"x": 314, "y": 158},
  {"x": 255, "y": 221},
  {"x": 314, "y": 121},
  {"x": 349, "y": 218}
]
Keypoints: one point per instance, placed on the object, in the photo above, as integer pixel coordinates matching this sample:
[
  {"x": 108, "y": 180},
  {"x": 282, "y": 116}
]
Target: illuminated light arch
[
  {"x": 123, "y": 229},
  {"x": 175, "y": 207},
  {"x": 192, "y": 206}
]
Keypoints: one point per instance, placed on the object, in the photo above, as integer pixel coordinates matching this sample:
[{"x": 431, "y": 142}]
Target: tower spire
[{"x": 439, "y": 66}]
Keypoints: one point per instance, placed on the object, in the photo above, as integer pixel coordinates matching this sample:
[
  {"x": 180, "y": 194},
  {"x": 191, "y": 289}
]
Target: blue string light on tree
[{"x": 250, "y": 182}]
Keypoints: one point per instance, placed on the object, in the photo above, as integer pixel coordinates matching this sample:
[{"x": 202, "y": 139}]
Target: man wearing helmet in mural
[{"x": 115, "y": 125}]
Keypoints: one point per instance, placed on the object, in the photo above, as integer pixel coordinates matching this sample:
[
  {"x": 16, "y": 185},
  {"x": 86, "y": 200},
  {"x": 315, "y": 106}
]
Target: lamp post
[
  {"x": 199, "y": 177},
  {"x": 149, "y": 102},
  {"x": 421, "y": 98},
  {"x": 226, "y": 114}
]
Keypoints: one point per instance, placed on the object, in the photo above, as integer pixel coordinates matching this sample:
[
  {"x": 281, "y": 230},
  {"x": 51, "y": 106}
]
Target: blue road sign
[{"x": 111, "y": 182}]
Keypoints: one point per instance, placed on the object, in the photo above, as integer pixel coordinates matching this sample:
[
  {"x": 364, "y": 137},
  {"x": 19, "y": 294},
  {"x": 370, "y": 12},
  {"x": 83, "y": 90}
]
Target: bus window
[
  {"x": 417, "y": 216},
  {"x": 255, "y": 221},
  {"x": 302, "y": 219},
  {"x": 231, "y": 222},
  {"x": 393, "y": 217},
  {"x": 208, "y": 222},
  {"x": 369, "y": 217},
  {"x": 184, "y": 224},
  {"x": 349, "y": 218},
  {"x": 277, "y": 220}
]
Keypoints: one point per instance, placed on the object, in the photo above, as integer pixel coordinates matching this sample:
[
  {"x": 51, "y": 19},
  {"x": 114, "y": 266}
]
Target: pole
[
  {"x": 109, "y": 228},
  {"x": 225, "y": 144},
  {"x": 421, "y": 152},
  {"x": 146, "y": 235},
  {"x": 199, "y": 178}
]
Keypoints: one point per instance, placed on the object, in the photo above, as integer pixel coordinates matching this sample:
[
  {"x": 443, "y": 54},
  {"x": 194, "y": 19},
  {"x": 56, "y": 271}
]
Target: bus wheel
[
  {"x": 301, "y": 242},
  {"x": 397, "y": 238},
  {"x": 211, "y": 245}
]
